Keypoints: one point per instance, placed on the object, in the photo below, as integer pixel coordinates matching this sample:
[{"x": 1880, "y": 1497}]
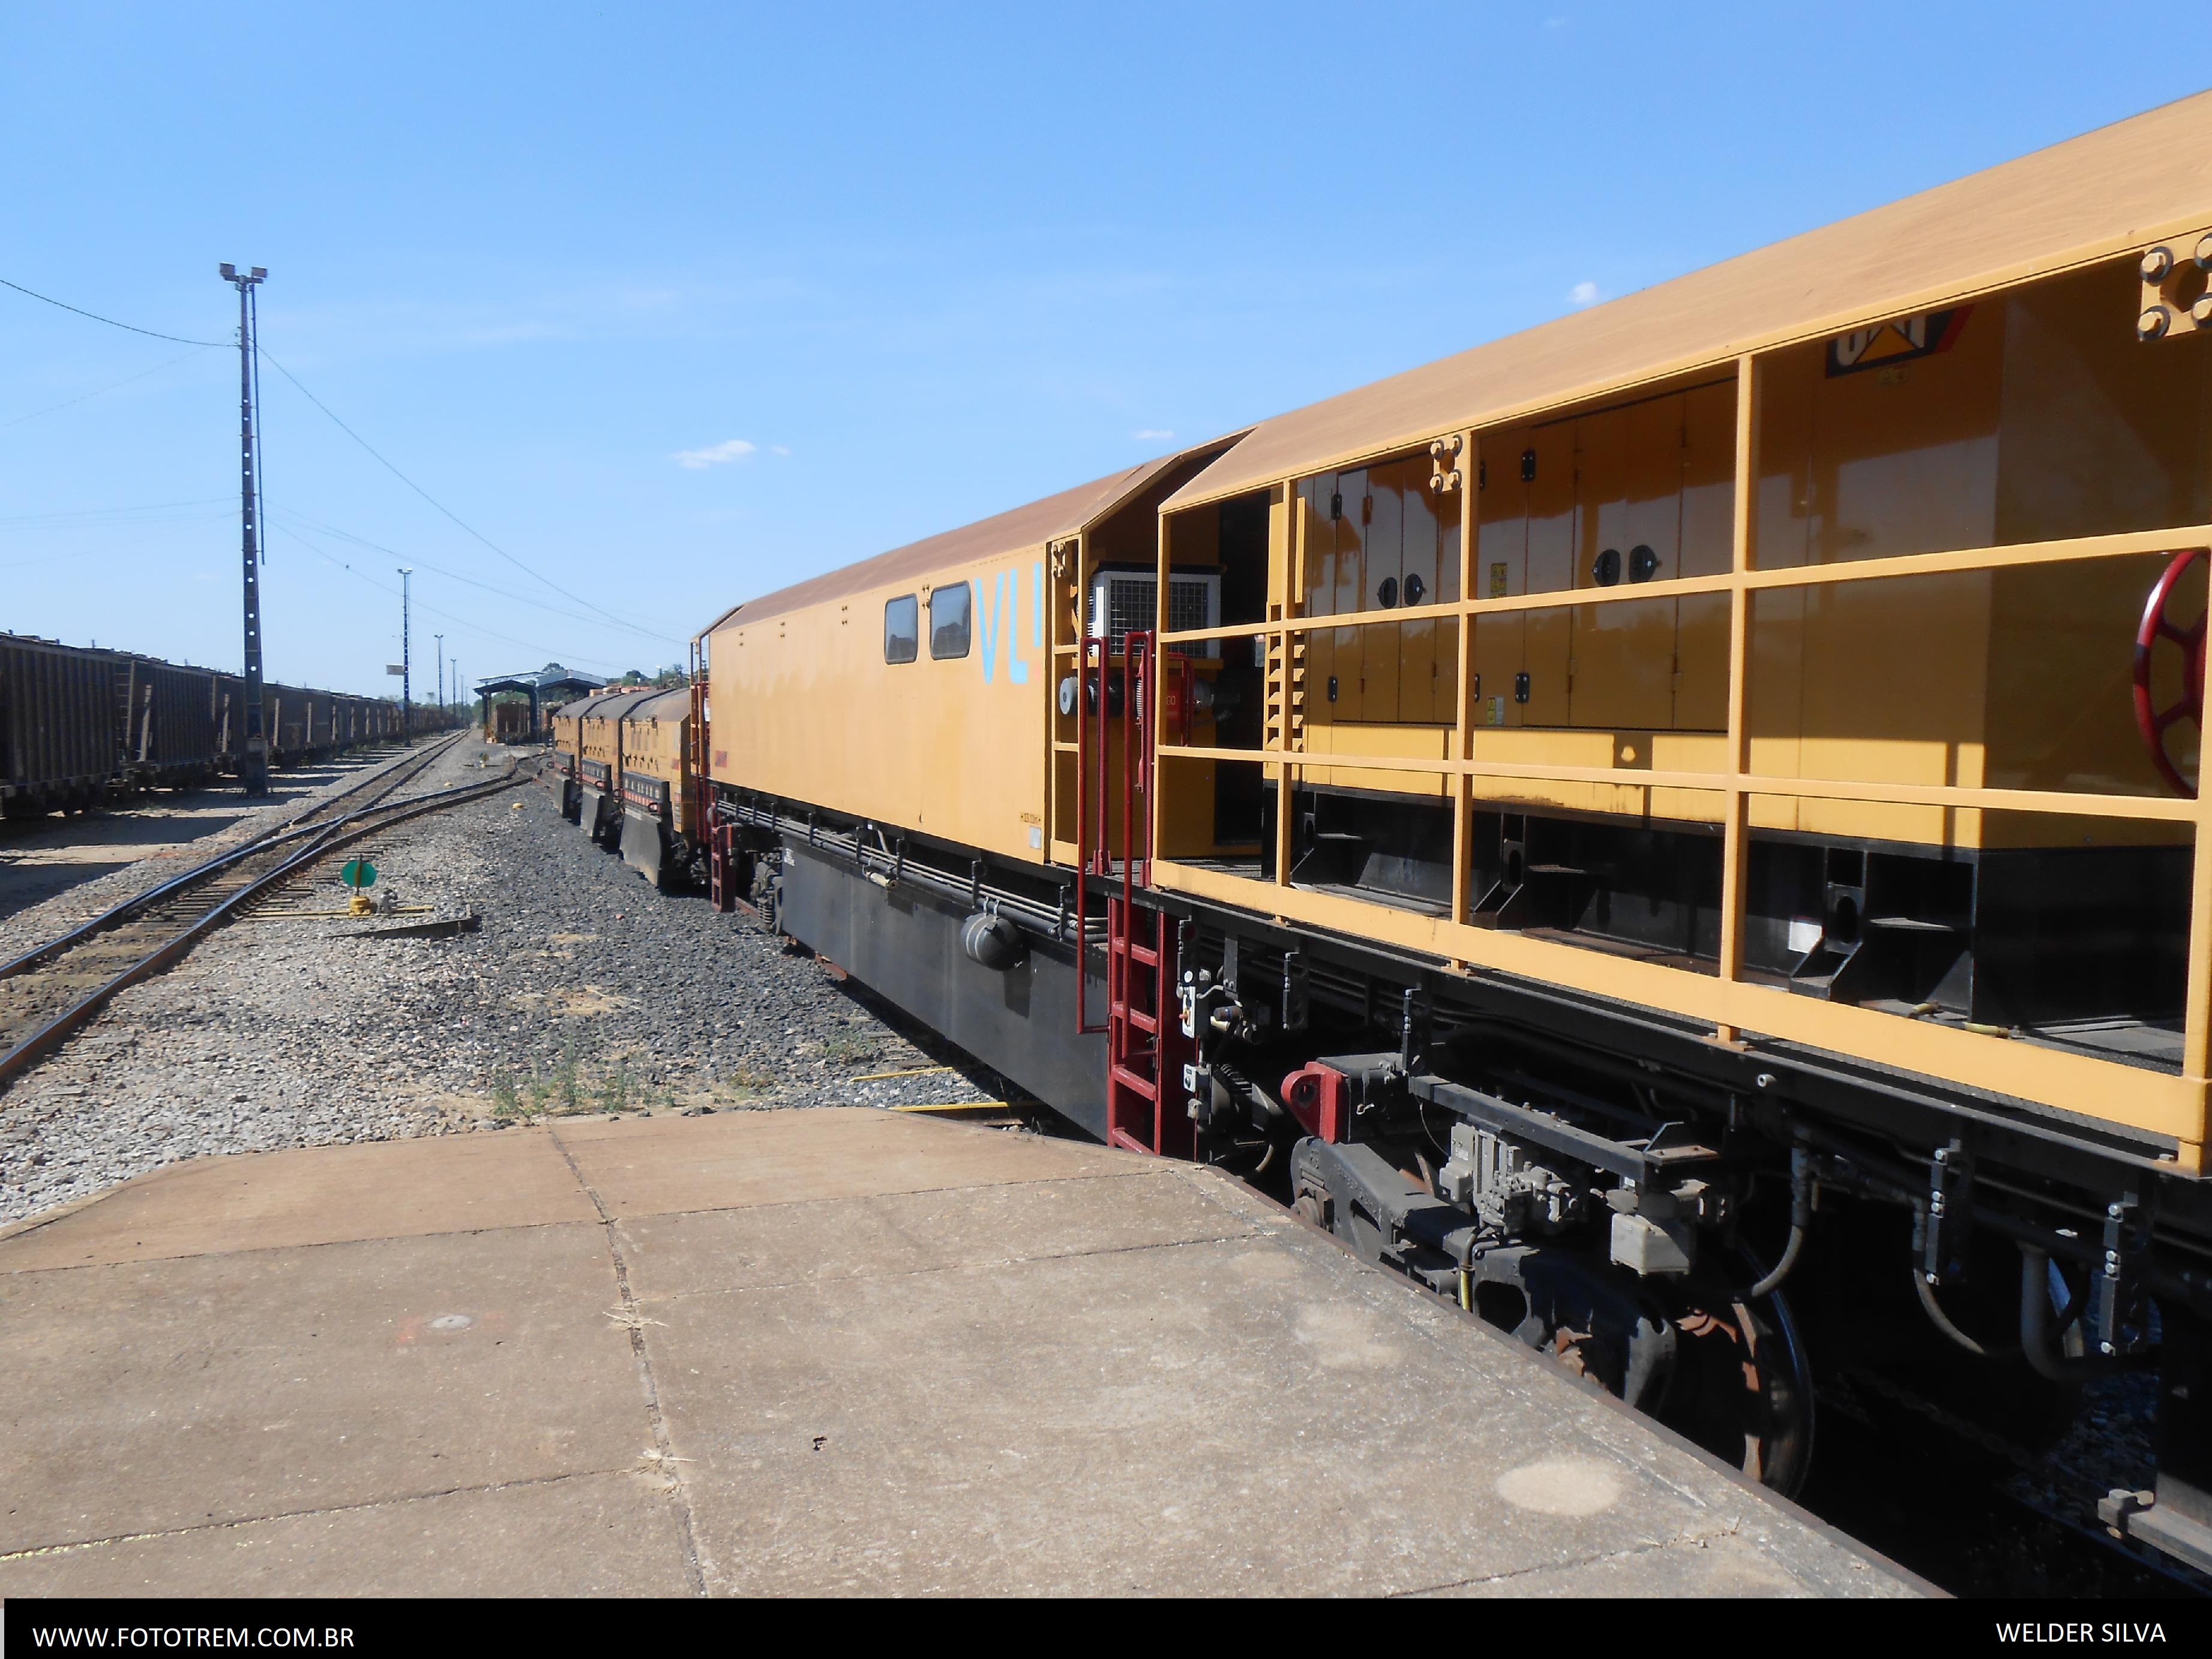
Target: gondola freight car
[
  {"x": 166, "y": 724},
  {"x": 57, "y": 726}
]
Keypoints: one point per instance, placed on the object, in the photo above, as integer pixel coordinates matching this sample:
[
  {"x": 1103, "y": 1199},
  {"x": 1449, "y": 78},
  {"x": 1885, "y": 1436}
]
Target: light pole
[
  {"x": 441, "y": 639},
  {"x": 406, "y": 661},
  {"x": 254, "y": 764}
]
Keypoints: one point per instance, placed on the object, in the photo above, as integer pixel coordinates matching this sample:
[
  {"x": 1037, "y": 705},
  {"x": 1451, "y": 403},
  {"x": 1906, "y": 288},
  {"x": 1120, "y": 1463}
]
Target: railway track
[{"x": 54, "y": 989}]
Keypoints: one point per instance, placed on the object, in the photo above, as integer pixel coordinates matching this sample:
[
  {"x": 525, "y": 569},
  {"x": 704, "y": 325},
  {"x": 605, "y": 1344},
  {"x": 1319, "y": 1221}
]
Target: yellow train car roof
[
  {"x": 674, "y": 703},
  {"x": 1049, "y": 519},
  {"x": 613, "y": 705},
  {"x": 2137, "y": 181}
]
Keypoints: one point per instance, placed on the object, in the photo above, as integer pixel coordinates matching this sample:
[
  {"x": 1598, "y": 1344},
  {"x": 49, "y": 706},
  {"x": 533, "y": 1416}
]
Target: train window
[
  {"x": 949, "y": 614},
  {"x": 902, "y": 628}
]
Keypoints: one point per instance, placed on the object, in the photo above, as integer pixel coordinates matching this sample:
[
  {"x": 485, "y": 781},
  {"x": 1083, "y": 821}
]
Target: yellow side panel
[
  {"x": 1420, "y": 582},
  {"x": 1653, "y": 475},
  {"x": 1551, "y": 511},
  {"x": 1708, "y": 533},
  {"x": 1894, "y": 674},
  {"x": 2061, "y": 659},
  {"x": 1891, "y": 460},
  {"x": 1499, "y": 644},
  {"x": 1351, "y": 669},
  {"x": 1547, "y": 658},
  {"x": 1400, "y": 742},
  {"x": 1775, "y": 698},
  {"x": 1501, "y": 505},
  {"x": 1623, "y": 663},
  {"x": 1383, "y": 533},
  {"x": 1701, "y": 653},
  {"x": 1528, "y": 748},
  {"x": 1781, "y": 524},
  {"x": 804, "y": 707},
  {"x": 1692, "y": 752}
]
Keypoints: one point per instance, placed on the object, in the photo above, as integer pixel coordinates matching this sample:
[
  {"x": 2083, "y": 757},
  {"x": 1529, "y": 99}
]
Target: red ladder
[
  {"x": 719, "y": 839},
  {"x": 1146, "y": 1047}
]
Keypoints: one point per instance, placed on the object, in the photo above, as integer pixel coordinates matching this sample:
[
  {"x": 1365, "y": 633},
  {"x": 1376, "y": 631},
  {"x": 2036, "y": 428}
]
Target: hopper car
[
  {"x": 167, "y": 717},
  {"x": 81, "y": 727},
  {"x": 1678, "y": 831},
  {"x": 57, "y": 738}
]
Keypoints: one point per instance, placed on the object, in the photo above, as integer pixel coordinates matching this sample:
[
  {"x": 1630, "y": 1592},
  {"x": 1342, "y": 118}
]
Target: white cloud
[
  {"x": 722, "y": 454},
  {"x": 777, "y": 449},
  {"x": 1152, "y": 434},
  {"x": 1584, "y": 293}
]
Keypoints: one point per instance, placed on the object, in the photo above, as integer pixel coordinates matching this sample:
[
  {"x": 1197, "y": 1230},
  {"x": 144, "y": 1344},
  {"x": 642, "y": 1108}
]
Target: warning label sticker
[{"x": 1898, "y": 341}]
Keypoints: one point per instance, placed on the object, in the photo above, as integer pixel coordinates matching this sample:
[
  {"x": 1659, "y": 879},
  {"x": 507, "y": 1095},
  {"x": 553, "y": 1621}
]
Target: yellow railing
[{"x": 2157, "y": 1103}]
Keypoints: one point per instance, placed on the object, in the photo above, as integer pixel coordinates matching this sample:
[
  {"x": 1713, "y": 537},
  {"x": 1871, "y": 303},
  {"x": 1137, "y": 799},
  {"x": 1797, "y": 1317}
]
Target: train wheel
[{"x": 1742, "y": 1387}]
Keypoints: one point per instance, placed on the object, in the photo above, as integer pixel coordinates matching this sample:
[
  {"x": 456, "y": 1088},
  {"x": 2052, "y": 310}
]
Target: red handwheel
[{"x": 2157, "y": 625}]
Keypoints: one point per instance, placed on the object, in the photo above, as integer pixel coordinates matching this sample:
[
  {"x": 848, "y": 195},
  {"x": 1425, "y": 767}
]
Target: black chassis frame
[
  {"x": 2060, "y": 1169},
  {"x": 2077, "y": 1190}
]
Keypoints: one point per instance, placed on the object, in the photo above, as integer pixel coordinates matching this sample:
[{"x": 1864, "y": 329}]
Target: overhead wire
[
  {"x": 465, "y": 622},
  {"x": 111, "y": 511},
  {"x": 129, "y": 328},
  {"x": 575, "y": 598},
  {"x": 260, "y": 501},
  {"x": 454, "y": 575},
  {"x": 72, "y": 403}
]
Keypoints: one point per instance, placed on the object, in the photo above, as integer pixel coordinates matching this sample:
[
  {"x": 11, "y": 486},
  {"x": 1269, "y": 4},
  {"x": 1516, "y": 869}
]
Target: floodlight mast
[{"x": 253, "y": 762}]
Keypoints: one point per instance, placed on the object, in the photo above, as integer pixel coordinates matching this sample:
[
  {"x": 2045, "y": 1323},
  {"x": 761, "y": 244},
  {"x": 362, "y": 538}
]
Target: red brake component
[
  {"x": 1320, "y": 1097},
  {"x": 2152, "y": 722}
]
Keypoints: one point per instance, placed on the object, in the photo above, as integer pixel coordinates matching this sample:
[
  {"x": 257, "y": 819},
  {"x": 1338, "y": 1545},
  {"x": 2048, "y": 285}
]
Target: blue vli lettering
[{"x": 1001, "y": 617}]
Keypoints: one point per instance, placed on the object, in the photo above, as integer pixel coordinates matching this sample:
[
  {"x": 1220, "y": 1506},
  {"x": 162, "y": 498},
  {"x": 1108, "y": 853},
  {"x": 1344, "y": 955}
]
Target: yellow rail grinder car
[
  {"x": 600, "y": 762},
  {"x": 659, "y": 811},
  {"x": 1678, "y": 830},
  {"x": 566, "y": 772}
]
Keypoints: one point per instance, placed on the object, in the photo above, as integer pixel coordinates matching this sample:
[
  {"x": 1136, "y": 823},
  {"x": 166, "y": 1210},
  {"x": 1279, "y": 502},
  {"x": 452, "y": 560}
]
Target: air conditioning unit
[{"x": 1127, "y": 597}]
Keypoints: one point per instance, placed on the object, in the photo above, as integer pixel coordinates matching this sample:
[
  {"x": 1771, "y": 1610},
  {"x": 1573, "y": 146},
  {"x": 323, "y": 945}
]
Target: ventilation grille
[{"x": 1122, "y": 600}]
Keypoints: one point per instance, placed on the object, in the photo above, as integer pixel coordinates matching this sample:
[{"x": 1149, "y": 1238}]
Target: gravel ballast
[{"x": 583, "y": 990}]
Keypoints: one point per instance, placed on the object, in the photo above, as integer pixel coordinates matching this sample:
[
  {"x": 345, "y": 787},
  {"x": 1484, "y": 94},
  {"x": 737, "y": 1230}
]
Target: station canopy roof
[{"x": 552, "y": 680}]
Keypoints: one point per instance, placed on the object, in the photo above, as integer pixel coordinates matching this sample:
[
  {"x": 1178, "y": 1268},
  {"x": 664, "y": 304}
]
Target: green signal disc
[{"x": 358, "y": 873}]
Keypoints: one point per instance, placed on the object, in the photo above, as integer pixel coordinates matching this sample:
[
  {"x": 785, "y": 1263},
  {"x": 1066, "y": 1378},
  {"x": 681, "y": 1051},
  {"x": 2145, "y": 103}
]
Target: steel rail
[
  {"x": 291, "y": 830},
  {"x": 339, "y": 833}
]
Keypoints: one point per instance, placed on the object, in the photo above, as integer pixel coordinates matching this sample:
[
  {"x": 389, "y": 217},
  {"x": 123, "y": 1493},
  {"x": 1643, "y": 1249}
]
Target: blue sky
[{"x": 677, "y": 304}]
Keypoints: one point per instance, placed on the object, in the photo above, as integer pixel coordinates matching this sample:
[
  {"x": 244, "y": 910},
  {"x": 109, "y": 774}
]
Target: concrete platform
[{"x": 803, "y": 1352}]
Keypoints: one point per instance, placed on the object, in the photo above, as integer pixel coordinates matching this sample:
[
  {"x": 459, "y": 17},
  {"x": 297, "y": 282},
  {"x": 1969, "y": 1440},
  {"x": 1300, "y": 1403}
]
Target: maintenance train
[{"x": 1677, "y": 830}]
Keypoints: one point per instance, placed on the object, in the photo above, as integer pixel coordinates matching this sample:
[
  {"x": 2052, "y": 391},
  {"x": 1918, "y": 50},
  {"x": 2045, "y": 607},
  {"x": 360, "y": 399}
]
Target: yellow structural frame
[{"x": 2152, "y": 1102}]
